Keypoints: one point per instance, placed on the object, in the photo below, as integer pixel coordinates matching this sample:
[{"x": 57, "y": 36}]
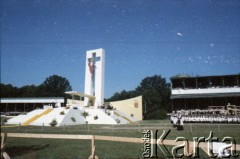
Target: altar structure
[{"x": 91, "y": 110}]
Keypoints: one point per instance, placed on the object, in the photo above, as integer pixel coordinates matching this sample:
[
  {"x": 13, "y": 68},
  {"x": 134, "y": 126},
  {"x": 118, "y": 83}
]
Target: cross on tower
[
  {"x": 91, "y": 64},
  {"x": 94, "y": 76}
]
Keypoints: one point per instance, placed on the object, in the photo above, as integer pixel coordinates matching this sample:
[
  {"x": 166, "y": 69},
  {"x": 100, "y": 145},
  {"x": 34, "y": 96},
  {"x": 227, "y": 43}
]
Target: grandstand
[{"x": 212, "y": 94}]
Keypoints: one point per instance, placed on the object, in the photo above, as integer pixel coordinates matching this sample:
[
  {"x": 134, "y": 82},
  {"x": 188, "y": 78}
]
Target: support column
[
  {"x": 6, "y": 107},
  {"x": 196, "y": 83},
  {"x": 209, "y": 82},
  {"x": 237, "y": 81},
  {"x": 185, "y": 104},
  {"x": 198, "y": 103},
  {"x": 183, "y": 83},
  {"x": 15, "y": 107}
]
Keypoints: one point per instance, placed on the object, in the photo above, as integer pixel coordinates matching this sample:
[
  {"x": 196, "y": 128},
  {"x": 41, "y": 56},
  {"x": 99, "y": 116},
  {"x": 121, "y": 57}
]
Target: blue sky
[{"x": 141, "y": 38}]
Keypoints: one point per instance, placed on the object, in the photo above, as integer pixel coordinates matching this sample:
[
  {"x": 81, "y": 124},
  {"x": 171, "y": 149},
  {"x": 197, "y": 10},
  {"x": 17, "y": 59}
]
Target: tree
[
  {"x": 122, "y": 95},
  {"x": 55, "y": 86},
  {"x": 156, "y": 95},
  {"x": 8, "y": 90},
  {"x": 28, "y": 91}
]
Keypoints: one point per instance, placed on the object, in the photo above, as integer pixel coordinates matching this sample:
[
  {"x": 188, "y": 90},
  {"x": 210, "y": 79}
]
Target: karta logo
[{"x": 190, "y": 149}]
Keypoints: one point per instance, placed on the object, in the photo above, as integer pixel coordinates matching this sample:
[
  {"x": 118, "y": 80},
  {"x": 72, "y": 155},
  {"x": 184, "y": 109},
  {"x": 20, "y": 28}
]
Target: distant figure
[
  {"x": 180, "y": 122},
  {"x": 174, "y": 120},
  {"x": 91, "y": 66}
]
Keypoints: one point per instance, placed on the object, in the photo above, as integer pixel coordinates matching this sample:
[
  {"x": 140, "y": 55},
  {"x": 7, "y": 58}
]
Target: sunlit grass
[{"x": 56, "y": 148}]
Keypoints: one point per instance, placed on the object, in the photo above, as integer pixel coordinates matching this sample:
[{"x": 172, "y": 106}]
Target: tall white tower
[{"x": 94, "y": 76}]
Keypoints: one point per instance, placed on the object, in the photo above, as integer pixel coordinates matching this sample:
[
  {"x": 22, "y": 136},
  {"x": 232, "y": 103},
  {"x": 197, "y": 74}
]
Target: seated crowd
[
  {"x": 211, "y": 119},
  {"x": 206, "y": 116},
  {"x": 103, "y": 106}
]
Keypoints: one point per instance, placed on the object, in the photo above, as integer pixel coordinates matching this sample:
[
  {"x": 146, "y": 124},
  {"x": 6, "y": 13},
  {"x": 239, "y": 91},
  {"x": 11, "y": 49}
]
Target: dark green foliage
[
  {"x": 73, "y": 119},
  {"x": 53, "y": 123},
  {"x": 85, "y": 114},
  {"x": 122, "y": 95},
  {"x": 29, "y": 91},
  {"x": 8, "y": 90},
  {"x": 53, "y": 86},
  {"x": 62, "y": 113},
  {"x": 156, "y": 96},
  {"x": 95, "y": 117},
  {"x": 158, "y": 114}
]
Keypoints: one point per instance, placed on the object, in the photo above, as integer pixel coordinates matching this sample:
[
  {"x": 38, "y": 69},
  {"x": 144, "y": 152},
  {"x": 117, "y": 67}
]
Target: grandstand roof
[
  {"x": 33, "y": 100},
  {"x": 187, "y": 76}
]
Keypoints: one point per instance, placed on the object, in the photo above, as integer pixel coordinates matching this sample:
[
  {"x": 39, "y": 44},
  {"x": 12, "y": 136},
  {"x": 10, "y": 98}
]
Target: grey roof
[{"x": 33, "y": 100}]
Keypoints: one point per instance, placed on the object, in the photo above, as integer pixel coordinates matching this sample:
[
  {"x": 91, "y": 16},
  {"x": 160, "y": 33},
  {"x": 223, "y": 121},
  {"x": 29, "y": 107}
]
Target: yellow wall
[{"x": 130, "y": 106}]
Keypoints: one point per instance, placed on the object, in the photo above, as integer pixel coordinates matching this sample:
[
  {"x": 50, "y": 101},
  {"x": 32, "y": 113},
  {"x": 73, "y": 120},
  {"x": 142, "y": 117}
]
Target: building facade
[
  {"x": 10, "y": 105},
  {"x": 204, "y": 92}
]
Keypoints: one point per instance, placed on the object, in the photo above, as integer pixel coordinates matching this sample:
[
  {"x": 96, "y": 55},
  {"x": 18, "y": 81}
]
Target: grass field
[{"x": 23, "y": 148}]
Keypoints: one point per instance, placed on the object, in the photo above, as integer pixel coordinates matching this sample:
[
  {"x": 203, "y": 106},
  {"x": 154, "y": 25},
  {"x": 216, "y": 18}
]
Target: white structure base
[{"x": 73, "y": 116}]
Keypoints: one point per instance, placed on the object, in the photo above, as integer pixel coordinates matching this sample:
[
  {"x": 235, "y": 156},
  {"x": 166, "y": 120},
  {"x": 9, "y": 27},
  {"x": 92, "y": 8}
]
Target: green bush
[
  {"x": 73, "y": 119},
  {"x": 85, "y": 114},
  {"x": 53, "y": 123},
  {"x": 62, "y": 113},
  {"x": 3, "y": 119},
  {"x": 95, "y": 117}
]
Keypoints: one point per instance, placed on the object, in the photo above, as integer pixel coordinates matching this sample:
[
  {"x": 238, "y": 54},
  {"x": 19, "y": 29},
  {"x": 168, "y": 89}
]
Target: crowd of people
[
  {"x": 201, "y": 111},
  {"x": 212, "y": 119},
  {"x": 204, "y": 118}
]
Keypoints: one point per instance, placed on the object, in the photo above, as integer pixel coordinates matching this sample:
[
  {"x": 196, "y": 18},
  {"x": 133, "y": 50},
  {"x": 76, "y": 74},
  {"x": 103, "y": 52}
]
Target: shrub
[
  {"x": 95, "y": 117},
  {"x": 3, "y": 119},
  {"x": 117, "y": 120},
  {"x": 73, "y": 119},
  {"x": 53, "y": 123},
  {"x": 85, "y": 114},
  {"x": 62, "y": 113}
]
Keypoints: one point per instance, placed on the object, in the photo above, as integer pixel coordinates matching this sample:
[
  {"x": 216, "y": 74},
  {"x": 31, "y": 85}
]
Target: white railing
[{"x": 206, "y": 90}]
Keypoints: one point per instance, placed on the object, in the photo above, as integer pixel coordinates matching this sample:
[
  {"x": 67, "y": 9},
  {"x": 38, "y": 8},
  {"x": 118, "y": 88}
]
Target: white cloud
[
  {"x": 212, "y": 44},
  {"x": 179, "y": 34},
  {"x": 190, "y": 59}
]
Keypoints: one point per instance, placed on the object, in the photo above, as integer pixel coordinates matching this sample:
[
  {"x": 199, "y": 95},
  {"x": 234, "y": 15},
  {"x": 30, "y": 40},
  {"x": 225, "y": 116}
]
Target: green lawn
[{"x": 56, "y": 148}]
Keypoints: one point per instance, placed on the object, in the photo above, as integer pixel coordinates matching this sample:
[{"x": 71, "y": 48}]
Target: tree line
[
  {"x": 53, "y": 86},
  {"x": 155, "y": 91}
]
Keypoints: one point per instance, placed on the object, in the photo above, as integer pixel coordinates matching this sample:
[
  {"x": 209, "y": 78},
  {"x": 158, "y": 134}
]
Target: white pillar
[{"x": 94, "y": 76}]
